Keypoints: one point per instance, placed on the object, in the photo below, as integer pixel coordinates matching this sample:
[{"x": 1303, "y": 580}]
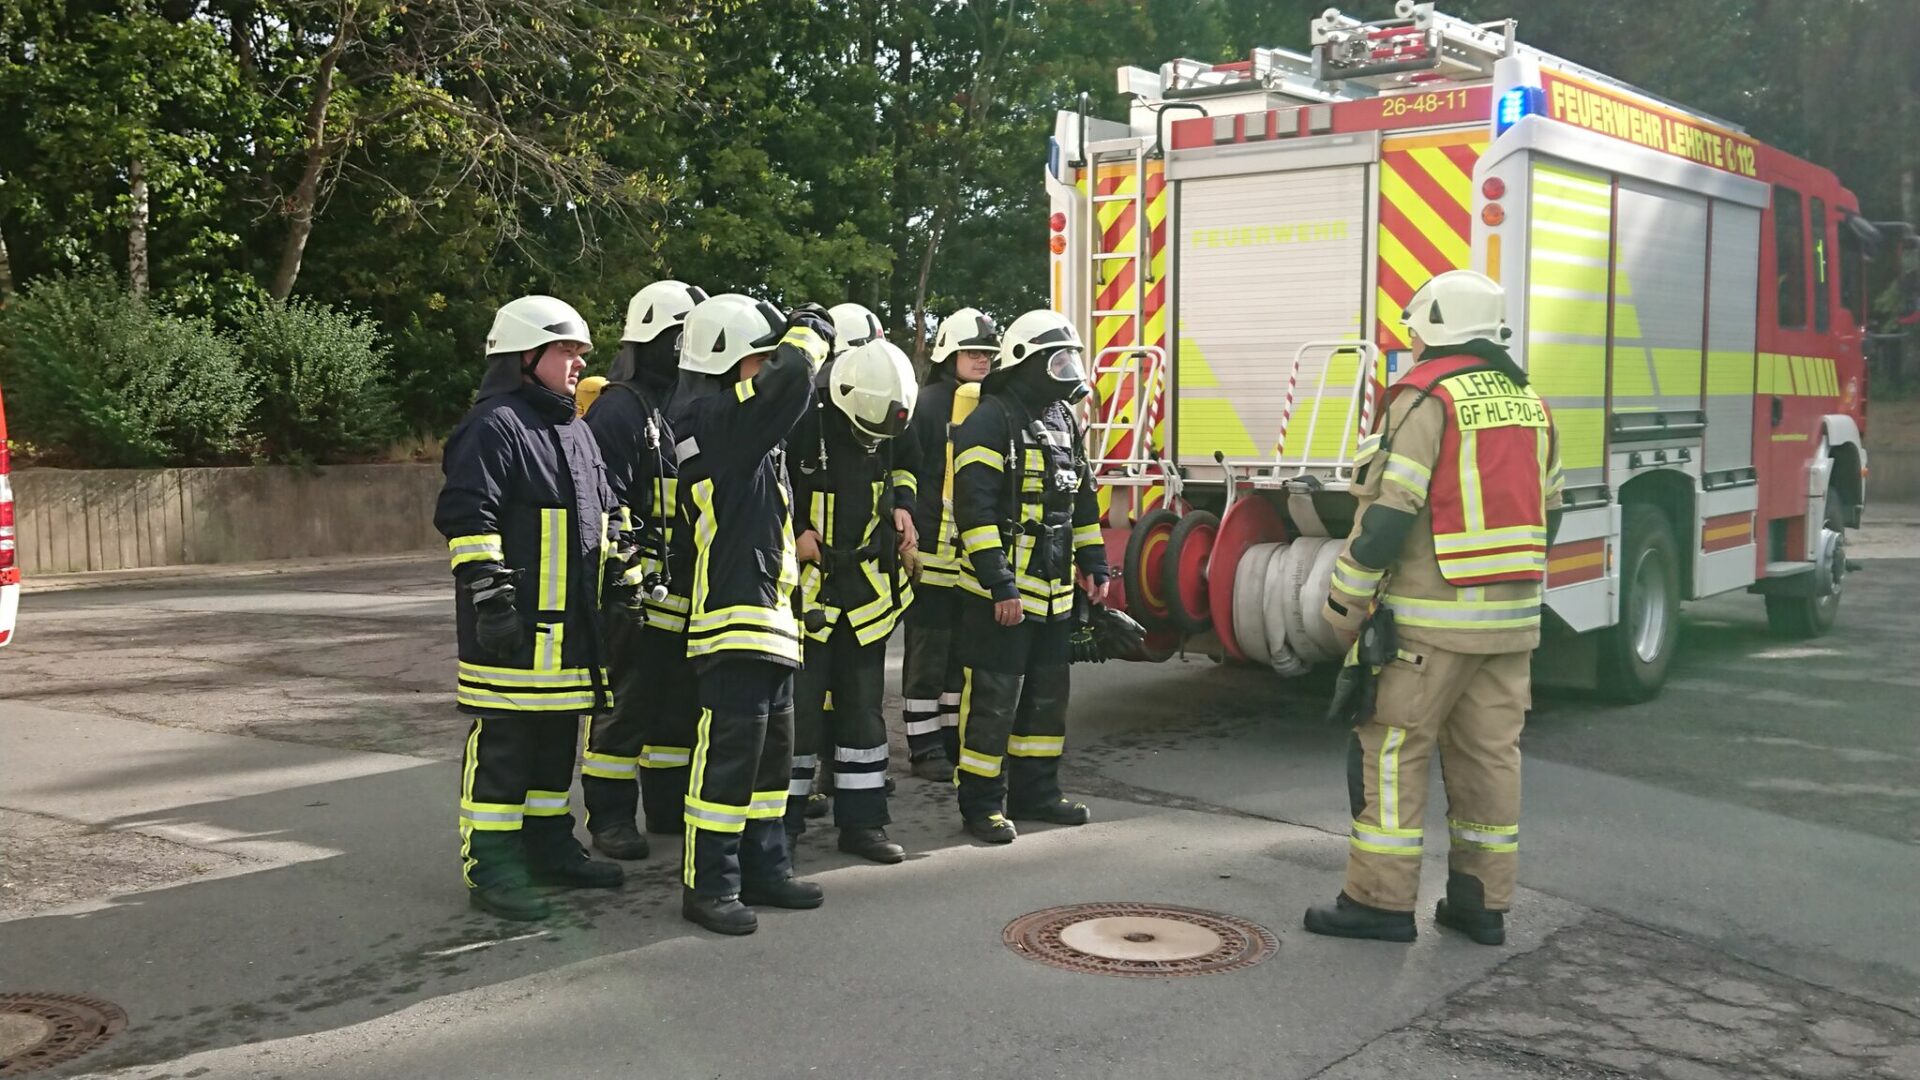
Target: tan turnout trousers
[{"x": 1471, "y": 706}]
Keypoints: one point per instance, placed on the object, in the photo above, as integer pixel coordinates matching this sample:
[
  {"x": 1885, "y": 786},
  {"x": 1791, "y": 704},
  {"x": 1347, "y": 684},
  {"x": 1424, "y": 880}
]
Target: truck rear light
[
  {"x": 1058, "y": 222},
  {"x": 1493, "y": 214},
  {"x": 1493, "y": 187},
  {"x": 1058, "y": 245}
]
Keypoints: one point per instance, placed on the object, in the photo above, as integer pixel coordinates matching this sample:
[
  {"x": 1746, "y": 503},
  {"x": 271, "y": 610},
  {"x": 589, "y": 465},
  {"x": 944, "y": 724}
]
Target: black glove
[
  {"x": 497, "y": 619},
  {"x": 1117, "y": 634},
  {"x": 815, "y": 318}
]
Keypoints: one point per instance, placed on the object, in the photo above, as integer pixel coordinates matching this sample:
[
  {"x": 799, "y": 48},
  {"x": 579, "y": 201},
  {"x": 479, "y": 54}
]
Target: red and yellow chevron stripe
[
  {"x": 1116, "y": 284},
  {"x": 1426, "y": 208}
]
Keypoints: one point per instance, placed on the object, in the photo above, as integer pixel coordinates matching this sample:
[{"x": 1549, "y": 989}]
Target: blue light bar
[{"x": 1517, "y": 102}]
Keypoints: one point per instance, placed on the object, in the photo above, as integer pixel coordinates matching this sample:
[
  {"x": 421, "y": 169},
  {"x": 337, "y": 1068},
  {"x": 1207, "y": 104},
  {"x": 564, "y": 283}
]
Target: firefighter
[
  {"x": 1459, "y": 496},
  {"x": 637, "y": 754},
  {"x": 854, "y": 528},
  {"x": 930, "y": 680},
  {"x": 853, "y": 326},
  {"x": 746, "y": 379},
  {"x": 525, "y": 510},
  {"x": 1023, "y": 500}
]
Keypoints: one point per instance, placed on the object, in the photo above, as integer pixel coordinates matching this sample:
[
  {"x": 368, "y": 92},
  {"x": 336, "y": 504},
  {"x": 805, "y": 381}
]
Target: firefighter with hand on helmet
[
  {"x": 746, "y": 377},
  {"x": 528, "y": 518},
  {"x": 849, "y": 490},
  {"x": 1024, "y": 502},
  {"x": 638, "y": 753},
  {"x": 1459, "y": 497},
  {"x": 963, "y": 351}
]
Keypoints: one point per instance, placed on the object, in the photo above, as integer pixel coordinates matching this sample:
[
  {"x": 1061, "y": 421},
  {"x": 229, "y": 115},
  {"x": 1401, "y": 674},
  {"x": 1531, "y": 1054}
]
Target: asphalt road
[{"x": 226, "y": 804}]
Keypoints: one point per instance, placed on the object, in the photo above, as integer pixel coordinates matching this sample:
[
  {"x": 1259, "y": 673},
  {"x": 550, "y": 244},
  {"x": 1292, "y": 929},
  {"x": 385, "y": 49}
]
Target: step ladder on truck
[{"x": 1690, "y": 302}]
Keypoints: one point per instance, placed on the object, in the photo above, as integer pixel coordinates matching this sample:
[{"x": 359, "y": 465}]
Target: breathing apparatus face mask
[{"x": 1065, "y": 367}]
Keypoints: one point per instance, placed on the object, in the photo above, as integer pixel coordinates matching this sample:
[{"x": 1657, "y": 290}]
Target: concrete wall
[{"x": 69, "y": 521}]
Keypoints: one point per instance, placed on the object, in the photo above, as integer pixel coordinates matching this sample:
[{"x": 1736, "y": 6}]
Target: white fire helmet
[
  {"x": 659, "y": 307},
  {"x": 1455, "y": 307},
  {"x": 1045, "y": 333},
  {"x": 723, "y": 330},
  {"x": 873, "y": 385},
  {"x": 533, "y": 321},
  {"x": 966, "y": 330},
  {"x": 853, "y": 326}
]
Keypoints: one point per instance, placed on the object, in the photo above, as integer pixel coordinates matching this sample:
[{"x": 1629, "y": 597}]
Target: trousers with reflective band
[
  {"x": 737, "y": 783},
  {"x": 1487, "y": 495},
  {"x": 638, "y": 752},
  {"x": 1469, "y": 707},
  {"x": 1014, "y": 684},
  {"x": 514, "y": 778},
  {"x": 930, "y": 676},
  {"x": 851, "y": 737}
]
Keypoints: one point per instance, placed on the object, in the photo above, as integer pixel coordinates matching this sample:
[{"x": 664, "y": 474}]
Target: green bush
[
  {"x": 321, "y": 374},
  {"x": 105, "y": 381}
]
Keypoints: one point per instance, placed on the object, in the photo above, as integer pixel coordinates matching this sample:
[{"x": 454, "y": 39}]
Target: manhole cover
[
  {"x": 1141, "y": 940},
  {"x": 38, "y": 1031}
]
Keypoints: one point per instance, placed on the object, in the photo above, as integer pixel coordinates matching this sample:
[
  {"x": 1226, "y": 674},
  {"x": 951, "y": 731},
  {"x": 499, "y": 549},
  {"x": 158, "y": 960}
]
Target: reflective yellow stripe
[
  {"x": 713, "y": 816},
  {"x": 480, "y": 547},
  {"x": 1355, "y": 580},
  {"x": 1036, "y": 745},
  {"x": 1472, "y": 505},
  {"x": 1086, "y": 536},
  {"x": 804, "y": 339},
  {"x": 979, "y": 764},
  {"x": 557, "y": 678},
  {"x": 609, "y": 766},
  {"x": 743, "y": 390},
  {"x": 1381, "y": 840},
  {"x": 1408, "y": 473},
  {"x": 1505, "y": 536},
  {"x": 1502, "y": 563},
  {"x": 904, "y": 479},
  {"x": 1465, "y": 614},
  {"x": 546, "y": 803},
  {"x": 482, "y": 698},
  {"x": 1477, "y": 837},
  {"x": 696, "y": 784},
  {"x": 767, "y": 804},
  {"x": 980, "y": 538},
  {"x": 553, "y": 559},
  {"x": 980, "y": 455},
  {"x": 1389, "y": 777}
]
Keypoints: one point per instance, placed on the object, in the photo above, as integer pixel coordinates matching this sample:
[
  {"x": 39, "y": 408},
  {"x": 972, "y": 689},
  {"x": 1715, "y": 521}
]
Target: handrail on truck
[{"x": 1359, "y": 415}]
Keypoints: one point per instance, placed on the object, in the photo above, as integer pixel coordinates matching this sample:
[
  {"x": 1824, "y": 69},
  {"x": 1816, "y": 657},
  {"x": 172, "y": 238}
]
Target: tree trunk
[
  {"x": 6, "y": 271},
  {"x": 934, "y": 229},
  {"x": 137, "y": 276},
  {"x": 306, "y": 194}
]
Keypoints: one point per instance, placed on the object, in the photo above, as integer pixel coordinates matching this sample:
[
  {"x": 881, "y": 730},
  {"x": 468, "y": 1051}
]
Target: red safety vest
[{"x": 1487, "y": 496}]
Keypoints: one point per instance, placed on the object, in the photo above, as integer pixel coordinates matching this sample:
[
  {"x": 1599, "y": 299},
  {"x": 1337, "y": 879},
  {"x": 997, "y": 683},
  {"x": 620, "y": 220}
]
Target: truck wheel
[
  {"x": 1140, "y": 572},
  {"x": 1184, "y": 571},
  {"x": 1812, "y": 616},
  {"x": 1635, "y": 652}
]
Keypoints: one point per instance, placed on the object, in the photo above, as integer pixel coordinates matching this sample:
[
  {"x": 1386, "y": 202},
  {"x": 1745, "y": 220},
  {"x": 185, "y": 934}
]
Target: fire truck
[{"x": 1690, "y": 301}]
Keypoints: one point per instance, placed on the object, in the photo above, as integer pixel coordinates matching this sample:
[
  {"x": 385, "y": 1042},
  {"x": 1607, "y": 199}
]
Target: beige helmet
[
  {"x": 533, "y": 321},
  {"x": 873, "y": 385},
  {"x": 723, "y": 330},
  {"x": 659, "y": 307},
  {"x": 1455, "y": 307}
]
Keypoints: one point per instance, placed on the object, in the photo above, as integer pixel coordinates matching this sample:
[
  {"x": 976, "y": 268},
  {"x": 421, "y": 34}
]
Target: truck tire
[
  {"x": 1636, "y": 652},
  {"x": 1812, "y": 616}
]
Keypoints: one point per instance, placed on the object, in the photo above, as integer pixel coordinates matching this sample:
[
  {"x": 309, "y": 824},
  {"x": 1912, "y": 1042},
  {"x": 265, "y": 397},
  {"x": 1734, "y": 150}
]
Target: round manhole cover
[
  {"x": 38, "y": 1031},
  {"x": 1141, "y": 940}
]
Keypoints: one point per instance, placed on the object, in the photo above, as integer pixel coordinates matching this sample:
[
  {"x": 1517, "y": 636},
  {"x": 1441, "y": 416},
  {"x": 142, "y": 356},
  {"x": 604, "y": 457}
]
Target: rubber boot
[
  {"x": 1349, "y": 918},
  {"x": 499, "y": 878},
  {"x": 720, "y": 914},
  {"x": 786, "y": 892},
  {"x": 1465, "y": 910}
]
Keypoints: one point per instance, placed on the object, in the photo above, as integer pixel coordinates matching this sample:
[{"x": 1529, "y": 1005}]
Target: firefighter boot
[
  {"x": 783, "y": 892},
  {"x": 993, "y": 828},
  {"x": 936, "y": 766},
  {"x": 871, "y": 844},
  {"x": 1349, "y": 918},
  {"x": 1061, "y": 811},
  {"x": 720, "y": 914},
  {"x": 1465, "y": 910},
  {"x": 621, "y": 841},
  {"x": 497, "y": 873},
  {"x": 554, "y": 857}
]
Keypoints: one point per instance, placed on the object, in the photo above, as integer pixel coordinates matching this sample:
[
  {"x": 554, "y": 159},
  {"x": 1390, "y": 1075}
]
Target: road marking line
[{"x": 458, "y": 949}]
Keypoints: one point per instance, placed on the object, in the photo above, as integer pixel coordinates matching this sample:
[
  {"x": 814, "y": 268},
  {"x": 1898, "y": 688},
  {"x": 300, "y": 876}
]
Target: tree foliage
[{"x": 422, "y": 160}]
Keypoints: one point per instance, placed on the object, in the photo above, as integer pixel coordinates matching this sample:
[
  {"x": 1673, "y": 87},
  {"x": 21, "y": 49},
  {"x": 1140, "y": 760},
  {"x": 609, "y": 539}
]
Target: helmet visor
[{"x": 892, "y": 423}]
